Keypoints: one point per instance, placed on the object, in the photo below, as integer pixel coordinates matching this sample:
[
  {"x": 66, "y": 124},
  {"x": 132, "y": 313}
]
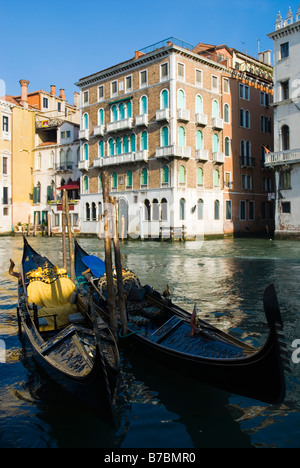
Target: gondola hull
[
  {"x": 74, "y": 356},
  {"x": 209, "y": 355}
]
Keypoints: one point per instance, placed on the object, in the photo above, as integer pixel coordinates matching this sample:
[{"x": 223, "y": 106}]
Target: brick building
[{"x": 178, "y": 128}]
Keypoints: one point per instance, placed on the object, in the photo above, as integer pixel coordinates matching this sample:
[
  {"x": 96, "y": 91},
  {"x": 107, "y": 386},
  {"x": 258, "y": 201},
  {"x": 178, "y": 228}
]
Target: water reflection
[{"x": 157, "y": 408}]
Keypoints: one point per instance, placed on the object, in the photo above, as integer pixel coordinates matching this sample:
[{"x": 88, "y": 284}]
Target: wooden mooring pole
[
  {"x": 111, "y": 300},
  {"x": 118, "y": 264}
]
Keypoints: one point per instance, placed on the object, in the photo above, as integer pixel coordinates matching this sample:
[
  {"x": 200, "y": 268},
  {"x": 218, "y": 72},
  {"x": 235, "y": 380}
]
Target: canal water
[{"x": 158, "y": 408}]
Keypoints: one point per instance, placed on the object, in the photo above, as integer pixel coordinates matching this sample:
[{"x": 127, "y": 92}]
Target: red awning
[{"x": 70, "y": 186}]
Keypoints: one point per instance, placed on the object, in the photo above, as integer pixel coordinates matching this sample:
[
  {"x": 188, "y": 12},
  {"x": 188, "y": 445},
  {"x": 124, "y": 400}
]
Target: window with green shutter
[
  {"x": 86, "y": 183},
  {"x": 133, "y": 142},
  {"x": 215, "y": 143},
  {"x": 144, "y": 177},
  {"x": 144, "y": 140},
  {"x": 181, "y": 175},
  {"x": 114, "y": 180},
  {"x": 101, "y": 117},
  {"x": 199, "y": 140},
  {"x": 101, "y": 149},
  {"x": 143, "y": 105},
  {"x": 199, "y": 176},
  {"x": 181, "y": 136},
  {"x": 86, "y": 151},
  {"x": 86, "y": 121},
  {"x": 199, "y": 104},
  {"x": 165, "y": 99},
  {"x": 165, "y": 175},
  {"x": 181, "y": 99},
  {"x": 216, "y": 178},
  {"x": 215, "y": 108},
  {"x": 119, "y": 145},
  {"x": 111, "y": 146},
  {"x": 114, "y": 113},
  {"x": 121, "y": 112},
  {"x": 125, "y": 144},
  {"x": 129, "y": 179},
  {"x": 165, "y": 136}
]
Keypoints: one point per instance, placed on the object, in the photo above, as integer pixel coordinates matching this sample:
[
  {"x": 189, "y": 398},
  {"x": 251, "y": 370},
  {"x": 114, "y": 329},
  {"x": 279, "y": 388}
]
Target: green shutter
[
  {"x": 199, "y": 176},
  {"x": 181, "y": 177},
  {"x": 144, "y": 105},
  {"x": 101, "y": 149},
  {"x": 215, "y": 143},
  {"x": 181, "y": 136},
  {"x": 199, "y": 140},
  {"x": 129, "y": 109},
  {"x": 181, "y": 99},
  {"x": 129, "y": 179},
  {"x": 122, "y": 111},
  {"x": 165, "y": 99},
  {"x": 119, "y": 146},
  {"x": 144, "y": 176},
  {"x": 199, "y": 104},
  {"x": 125, "y": 144},
  {"x": 165, "y": 175},
  {"x": 132, "y": 141},
  {"x": 216, "y": 178},
  {"x": 144, "y": 140},
  {"x": 165, "y": 136},
  {"x": 114, "y": 180}
]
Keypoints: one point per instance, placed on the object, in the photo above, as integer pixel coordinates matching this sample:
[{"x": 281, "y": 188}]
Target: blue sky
[{"x": 61, "y": 41}]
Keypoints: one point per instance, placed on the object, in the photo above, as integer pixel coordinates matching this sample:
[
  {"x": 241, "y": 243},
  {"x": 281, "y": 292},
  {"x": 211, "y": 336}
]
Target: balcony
[
  {"x": 217, "y": 123},
  {"x": 99, "y": 130},
  {"x": 163, "y": 114},
  {"x": 123, "y": 124},
  {"x": 83, "y": 165},
  {"x": 173, "y": 150},
  {"x": 201, "y": 119},
  {"x": 282, "y": 157},
  {"x": 219, "y": 158},
  {"x": 183, "y": 115},
  {"x": 84, "y": 134},
  {"x": 141, "y": 120},
  {"x": 247, "y": 161},
  {"x": 201, "y": 155},
  {"x": 64, "y": 167},
  {"x": 124, "y": 158}
]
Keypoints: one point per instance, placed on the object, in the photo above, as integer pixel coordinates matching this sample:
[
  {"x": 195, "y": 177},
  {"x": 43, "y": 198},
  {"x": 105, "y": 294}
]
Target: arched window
[
  {"x": 226, "y": 113},
  {"x": 199, "y": 140},
  {"x": 144, "y": 177},
  {"x": 94, "y": 211},
  {"x": 69, "y": 159},
  {"x": 147, "y": 211},
  {"x": 114, "y": 113},
  {"x": 143, "y": 105},
  {"x": 85, "y": 121},
  {"x": 111, "y": 147},
  {"x": 182, "y": 209},
  {"x": 121, "y": 112},
  {"x": 181, "y": 175},
  {"x": 155, "y": 210},
  {"x": 217, "y": 210},
  {"x": 125, "y": 144},
  {"x": 86, "y": 184},
  {"x": 199, "y": 104},
  {"x": 129, "y": 179},
  {"x": 133, "y": 142},
  {"x": 199, "y": 176},
  {"x": 227, "y": 146},
  {"x": 144, "y": 140},
  {"x": 62, "y": 158},
  {"x": 181, "y": 99},
  {"x": 101, "y": 117},
  {"x": 215, "y": 109},
  {"x": 165, "y": 175},
  {"x": 164, "y": 210},
  {"x": 101, "y": 149},
  {"x": 87, "y": 212},
  {"x": 86, "y": 152},
  {"x": 119, "y": 145},
  {"x": 165, "y": 136},
  {"x": 181, "y": 136},
  {"x": 114, "y": 180},
  {"x": 200, "y": 211},
  {"x": 285, "y": 137},
  {"x": 164, "y": 99},
  {"x": 216, "y": 178},
  {"x": 215, "y": 143}
]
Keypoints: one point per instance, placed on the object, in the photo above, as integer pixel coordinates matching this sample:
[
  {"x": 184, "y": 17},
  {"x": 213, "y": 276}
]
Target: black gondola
[
  {"x": 174, "y": 336},
  {"x": 81, "y": 355}
]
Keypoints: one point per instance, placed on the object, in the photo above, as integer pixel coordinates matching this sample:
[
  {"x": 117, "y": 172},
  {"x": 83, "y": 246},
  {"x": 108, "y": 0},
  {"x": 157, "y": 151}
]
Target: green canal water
[{"x": 158, "y": 408}]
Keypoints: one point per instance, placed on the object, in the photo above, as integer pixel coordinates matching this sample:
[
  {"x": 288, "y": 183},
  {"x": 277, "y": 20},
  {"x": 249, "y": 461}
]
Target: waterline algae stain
[{"x": 157, "y": 408}]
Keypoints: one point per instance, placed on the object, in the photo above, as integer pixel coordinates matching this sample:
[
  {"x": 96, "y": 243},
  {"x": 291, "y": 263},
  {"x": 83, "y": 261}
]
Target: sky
[{"x": 59, "y": 42}]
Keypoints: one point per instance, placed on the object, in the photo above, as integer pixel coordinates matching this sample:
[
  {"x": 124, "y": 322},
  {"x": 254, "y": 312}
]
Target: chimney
[
  {"x": 24, "y": 85},
  {"x": 62, "y": 94},
  {"x": 52, "y": 90},
  {"x": 76, "y": 99},
  {"x": 138, "y": 54}
]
